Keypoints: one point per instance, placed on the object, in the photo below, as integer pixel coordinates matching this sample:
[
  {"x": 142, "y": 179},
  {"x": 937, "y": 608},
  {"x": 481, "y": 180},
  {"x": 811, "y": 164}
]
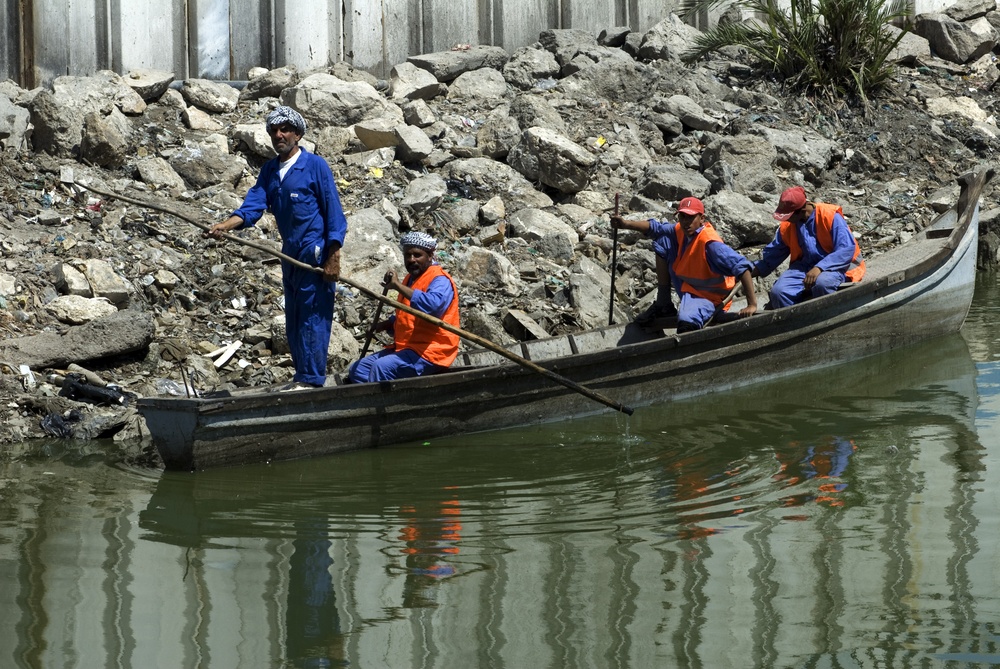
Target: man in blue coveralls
[
  {"x": 821, "y": 249},
  {"x": 298, "y": 188}
]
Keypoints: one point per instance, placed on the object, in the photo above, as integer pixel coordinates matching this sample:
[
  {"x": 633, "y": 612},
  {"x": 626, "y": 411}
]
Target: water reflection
[
  {"x": 826, "y": 459},
  {"x": 846, "y": 518},
  {"x": 313, "y": 636}
]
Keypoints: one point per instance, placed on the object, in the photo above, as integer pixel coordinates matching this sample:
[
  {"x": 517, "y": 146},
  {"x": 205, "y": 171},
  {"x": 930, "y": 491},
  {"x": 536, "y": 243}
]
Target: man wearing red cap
[
  {"x": 821, "y": 249},
  {"x": 702, "y": 268}
]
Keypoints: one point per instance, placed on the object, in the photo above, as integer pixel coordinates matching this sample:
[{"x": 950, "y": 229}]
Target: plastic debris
[
  {"x": 60, "y": 426},
  {"x": 76, "y": 387}
]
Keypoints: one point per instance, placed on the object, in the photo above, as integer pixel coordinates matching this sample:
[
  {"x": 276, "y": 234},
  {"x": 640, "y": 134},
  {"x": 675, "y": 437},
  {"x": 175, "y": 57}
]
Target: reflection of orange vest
[
  {"x": 434, "y": 344},
  {"x": 692, "y": 267},
  {"x": 824, "y": 235}
]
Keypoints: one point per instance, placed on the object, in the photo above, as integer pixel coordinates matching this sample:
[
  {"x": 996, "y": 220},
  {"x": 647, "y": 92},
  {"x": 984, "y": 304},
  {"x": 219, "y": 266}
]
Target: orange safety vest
[
  {"x": 693, "y": 270},
  {"x": 824, "y": 235},
  {"x": 434, "y": 344}
]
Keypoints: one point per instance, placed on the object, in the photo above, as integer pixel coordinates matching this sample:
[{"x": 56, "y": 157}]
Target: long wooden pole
[
  {"x": 371, "y": 330},
  {"x": 614, "y": 267},
  {"x": 485, "y": 343},
  {"x": 726, "y": 300}
]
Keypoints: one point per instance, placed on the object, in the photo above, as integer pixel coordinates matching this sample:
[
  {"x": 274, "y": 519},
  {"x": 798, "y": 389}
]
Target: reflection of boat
[
  {"x": 919, "y": 290},
  {"x": 590, "y": 550},
  {"x": 876, "y": 393}
]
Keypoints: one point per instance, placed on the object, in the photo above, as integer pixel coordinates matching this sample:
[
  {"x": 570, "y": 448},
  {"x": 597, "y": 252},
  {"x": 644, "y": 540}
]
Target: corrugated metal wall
[{"x": 223, "y": 39}]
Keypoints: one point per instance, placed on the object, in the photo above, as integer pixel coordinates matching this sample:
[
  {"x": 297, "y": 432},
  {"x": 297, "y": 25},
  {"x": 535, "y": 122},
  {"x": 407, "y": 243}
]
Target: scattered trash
[
  {"x": 56, "y": 425},
  {"x": 27, "y": 378},
  {"x": 169, "y": 387},
  {"x": 76, "y": 387},
  {"x": 224, "y": 354},
  {"x": 459, "y": 188}
]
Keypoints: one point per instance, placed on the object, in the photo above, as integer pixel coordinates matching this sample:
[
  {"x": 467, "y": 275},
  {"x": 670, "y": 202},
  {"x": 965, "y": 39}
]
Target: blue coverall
[
  {"x": 790, "y": 288},
  {"x": 312, "y": 224},
  {"x": 721, "y": 259}
]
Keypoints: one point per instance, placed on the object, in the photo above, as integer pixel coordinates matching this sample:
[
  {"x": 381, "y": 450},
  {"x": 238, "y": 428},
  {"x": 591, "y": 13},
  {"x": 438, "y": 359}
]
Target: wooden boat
[{"x": 916, "y": 291}]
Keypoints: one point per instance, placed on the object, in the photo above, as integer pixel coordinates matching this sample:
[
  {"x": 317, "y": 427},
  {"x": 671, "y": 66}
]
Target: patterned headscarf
[
  {"x": 421, "y": 240},
  {"x": 284, "y": 114}
]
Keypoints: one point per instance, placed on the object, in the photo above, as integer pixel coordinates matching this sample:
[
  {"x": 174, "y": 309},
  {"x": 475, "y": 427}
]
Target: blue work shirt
[
  {"x": 721, "y": 258},
  {"x": 434, "y": 300},
  {"x": 305, "y": 205},
  {"x": 813, "y": 255}
]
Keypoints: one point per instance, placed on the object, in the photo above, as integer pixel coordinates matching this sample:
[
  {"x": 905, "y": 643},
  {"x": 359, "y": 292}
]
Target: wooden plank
[
  {"x": 544, "y": 349},
  {"x": 483, "y": 357},
  {"x": 596, "y": 340}
]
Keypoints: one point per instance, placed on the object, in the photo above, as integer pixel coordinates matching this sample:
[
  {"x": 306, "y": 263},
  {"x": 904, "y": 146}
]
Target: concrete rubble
[{"x": 513, "y": 161}]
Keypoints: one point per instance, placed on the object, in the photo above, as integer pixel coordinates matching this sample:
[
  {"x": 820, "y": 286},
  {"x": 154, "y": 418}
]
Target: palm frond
[{"x": 837, "y": 47}]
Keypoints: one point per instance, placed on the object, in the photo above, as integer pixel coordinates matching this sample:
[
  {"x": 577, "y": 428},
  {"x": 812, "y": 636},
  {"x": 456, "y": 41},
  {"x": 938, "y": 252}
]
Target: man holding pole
[
  {"x": 702, "y": 268},
  {"x": 299, "y": 189},
  {"x": 419, "y": 347}
]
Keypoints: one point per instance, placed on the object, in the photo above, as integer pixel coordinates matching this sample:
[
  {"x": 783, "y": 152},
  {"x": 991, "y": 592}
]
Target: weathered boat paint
[{"x": 919, "y": 290}]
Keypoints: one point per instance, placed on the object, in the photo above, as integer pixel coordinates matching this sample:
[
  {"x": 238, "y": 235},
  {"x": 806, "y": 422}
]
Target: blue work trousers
[
  {"x": 790, "y": 287},
  {"x": 308, "y": 320},
  {"x": 387, "y": 364}
]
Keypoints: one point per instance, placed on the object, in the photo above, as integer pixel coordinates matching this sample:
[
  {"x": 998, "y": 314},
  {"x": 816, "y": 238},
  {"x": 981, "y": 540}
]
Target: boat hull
[{"x": 919, "y": 292}]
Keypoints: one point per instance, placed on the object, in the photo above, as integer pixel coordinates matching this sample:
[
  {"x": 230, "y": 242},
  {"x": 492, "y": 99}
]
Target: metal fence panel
[{"x": 223, "y": 39}]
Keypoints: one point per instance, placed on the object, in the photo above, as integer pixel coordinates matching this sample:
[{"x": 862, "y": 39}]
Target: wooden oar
[
  {"x": 476, "y": 339},
  {"x": 378, "y": 314},
  {"x": 726, "y": 300},
  {"x": 614, "y": 267}
]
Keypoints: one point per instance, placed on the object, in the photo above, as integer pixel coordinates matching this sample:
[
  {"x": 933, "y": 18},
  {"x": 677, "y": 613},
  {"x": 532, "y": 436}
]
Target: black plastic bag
[{"x": 75, "y": 387}]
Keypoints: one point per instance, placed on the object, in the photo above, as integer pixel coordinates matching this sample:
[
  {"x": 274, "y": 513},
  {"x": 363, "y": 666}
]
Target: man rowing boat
[{"x": 419, "y": 347}]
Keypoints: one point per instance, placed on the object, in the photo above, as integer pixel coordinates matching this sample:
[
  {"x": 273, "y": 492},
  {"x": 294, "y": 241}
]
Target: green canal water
[{"x": 843, "y": 519}]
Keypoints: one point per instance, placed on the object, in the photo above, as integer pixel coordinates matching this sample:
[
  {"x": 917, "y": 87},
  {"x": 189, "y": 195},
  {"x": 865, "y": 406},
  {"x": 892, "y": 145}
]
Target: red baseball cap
[
  {"x": 791, "y": 201},
  {"x": 691, "y": 205}
]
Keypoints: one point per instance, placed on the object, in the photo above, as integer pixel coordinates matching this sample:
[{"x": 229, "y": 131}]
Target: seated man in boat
[
  {"x": 702, "y": 268},
  {"x": 820, "y": 246},
  {"x": 420, "y": 347}
]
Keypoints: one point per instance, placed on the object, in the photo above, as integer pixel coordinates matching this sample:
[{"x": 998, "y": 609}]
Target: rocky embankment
[{"x": 513, "y": 160}]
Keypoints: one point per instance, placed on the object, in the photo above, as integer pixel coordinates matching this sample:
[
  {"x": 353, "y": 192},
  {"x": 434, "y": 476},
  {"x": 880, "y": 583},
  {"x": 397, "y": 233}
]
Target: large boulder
[
  {"x": 954, "y": 41},
  {"x": 555, "y": 160},
  {"x": 325, "y": 100},
  {"x": 58, "y": 114},
  {"x": 448, "y": 65},
  {"x": 15, "y": 125}
]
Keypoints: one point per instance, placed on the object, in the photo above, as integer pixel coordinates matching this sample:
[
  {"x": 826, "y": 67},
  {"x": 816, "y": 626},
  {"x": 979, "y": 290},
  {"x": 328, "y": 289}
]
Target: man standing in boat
[
  {"x": 820, "y": 246},
  {"x": 702, "y": 268},
  {"x": 298, "y": 187},
  {"x": 419, "y": 347}
]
